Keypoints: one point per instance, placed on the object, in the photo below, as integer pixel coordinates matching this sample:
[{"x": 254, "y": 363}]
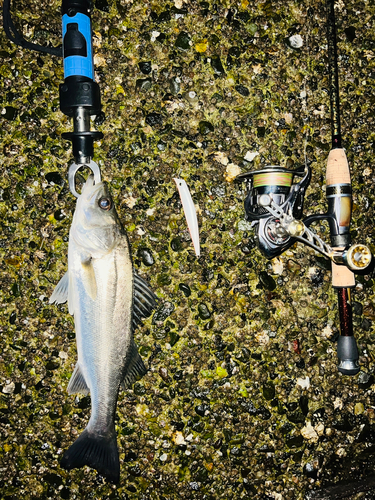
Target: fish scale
[{"x": 111, "y": 349}]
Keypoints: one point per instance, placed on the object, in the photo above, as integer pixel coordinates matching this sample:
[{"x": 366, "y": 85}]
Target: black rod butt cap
[{"x": 347, "y": 353}]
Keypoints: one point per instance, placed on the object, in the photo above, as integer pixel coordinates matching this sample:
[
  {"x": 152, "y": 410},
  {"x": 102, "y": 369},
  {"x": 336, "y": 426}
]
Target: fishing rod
[
  {"x": 79, "y": 94},
  {"x": 339, "y": 194},
  {"x": 274, "y": 204}
]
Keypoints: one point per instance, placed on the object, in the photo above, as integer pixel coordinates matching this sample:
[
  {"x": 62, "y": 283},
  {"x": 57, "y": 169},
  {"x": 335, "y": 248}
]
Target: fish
[{"x": 108, "y": 301}]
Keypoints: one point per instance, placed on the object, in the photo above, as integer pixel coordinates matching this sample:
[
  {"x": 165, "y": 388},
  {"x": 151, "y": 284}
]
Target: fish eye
[{"x": 105, "y": 203}]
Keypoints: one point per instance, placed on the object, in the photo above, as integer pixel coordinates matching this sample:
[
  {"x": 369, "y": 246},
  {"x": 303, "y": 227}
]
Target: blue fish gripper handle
[{"x": 79, "y": 94}]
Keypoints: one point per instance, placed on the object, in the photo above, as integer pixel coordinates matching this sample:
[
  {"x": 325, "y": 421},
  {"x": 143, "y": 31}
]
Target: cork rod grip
[
  {"x": 338, "y": 173},
  {"x": 337, "y": 168},
  {"x": 342, "y": 277}
]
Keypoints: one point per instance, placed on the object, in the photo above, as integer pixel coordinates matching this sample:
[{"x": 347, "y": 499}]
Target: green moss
[{"x": 241, "y": 361}]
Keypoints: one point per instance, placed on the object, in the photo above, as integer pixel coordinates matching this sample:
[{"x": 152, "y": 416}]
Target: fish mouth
[
  {"x": 96, "y": 188},
  {"x": 92, "y": 188}
]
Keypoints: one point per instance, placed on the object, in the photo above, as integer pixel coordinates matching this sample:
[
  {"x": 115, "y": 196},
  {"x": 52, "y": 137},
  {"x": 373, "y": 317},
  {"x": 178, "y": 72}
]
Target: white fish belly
[{"x": 104, "y": 330}]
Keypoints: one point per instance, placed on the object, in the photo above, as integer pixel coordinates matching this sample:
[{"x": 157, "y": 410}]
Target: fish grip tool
[
  {"x": 274, "y": 204},
  {"x": 79, "y": 94}
]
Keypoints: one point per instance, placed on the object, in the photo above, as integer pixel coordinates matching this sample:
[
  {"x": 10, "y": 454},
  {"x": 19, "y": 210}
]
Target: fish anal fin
[
  {"x": 135, "y": 368},
  {"x": 60, "y": 293},
  {"x": 77, "y": 383},
  {"x": 88, "y": 278},
  {"x": 98, "y": 452}
]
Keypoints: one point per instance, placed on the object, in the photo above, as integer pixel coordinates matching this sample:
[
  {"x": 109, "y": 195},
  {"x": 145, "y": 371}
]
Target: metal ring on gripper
[{"x": 73, "y": 169}]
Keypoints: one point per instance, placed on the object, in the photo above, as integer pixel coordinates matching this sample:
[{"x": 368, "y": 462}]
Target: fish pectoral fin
[
  {"x": 88, "y": 278},
  {"x": 134, "y": 369},
  {"x": 144, "y": 300},
  {"x": 60, "y": 293},
  {"x": 77, "y": 383}
]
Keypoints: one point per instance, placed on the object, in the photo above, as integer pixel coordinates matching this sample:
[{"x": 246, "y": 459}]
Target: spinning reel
[{"x": 275, "y": 204}]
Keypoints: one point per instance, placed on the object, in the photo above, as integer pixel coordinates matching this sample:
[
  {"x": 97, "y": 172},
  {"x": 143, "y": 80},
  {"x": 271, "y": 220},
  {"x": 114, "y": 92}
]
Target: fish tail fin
[{"x": 96, "y": 451}]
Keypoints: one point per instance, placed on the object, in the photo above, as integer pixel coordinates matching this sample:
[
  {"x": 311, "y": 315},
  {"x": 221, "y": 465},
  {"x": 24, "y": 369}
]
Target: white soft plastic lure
[{"x": 190, "y": 213}]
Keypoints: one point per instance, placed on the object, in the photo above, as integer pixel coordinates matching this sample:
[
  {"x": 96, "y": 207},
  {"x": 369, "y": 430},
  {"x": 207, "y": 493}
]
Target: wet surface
[{"x": 242, "y": 398}]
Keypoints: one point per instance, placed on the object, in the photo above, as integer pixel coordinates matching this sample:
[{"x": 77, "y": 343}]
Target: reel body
[
  {"x": 277, "y": 183},
  {"x": 275, "y": 204}
]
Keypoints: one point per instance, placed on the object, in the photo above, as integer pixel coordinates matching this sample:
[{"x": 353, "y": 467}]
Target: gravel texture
[{"x": 242, "y": 398}]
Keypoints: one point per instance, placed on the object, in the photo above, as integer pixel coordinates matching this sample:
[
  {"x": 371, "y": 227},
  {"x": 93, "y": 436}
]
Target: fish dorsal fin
[
  {"x": 144, "y": 300},
  {"x": 88, "y": 278},
  {"x": 135, "y": 367},
  {"x": 77, "y": 383},
  {"x": 60, "y": 293}
]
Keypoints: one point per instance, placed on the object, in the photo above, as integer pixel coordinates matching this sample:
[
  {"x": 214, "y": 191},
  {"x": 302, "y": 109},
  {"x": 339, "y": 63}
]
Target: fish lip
[{"x": 94, "y": 190}]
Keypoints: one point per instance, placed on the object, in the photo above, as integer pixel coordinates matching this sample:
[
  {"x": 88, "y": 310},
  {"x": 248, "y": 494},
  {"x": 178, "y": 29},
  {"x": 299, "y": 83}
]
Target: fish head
[{"x": 95, "y": 222}]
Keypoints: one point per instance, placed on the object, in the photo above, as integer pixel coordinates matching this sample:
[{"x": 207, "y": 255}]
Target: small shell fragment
[
  {"x": 231, "y": 172},
  {"x": 308, "y": 432},
  {"x": 178, "y": 438},
  {"x": 222, "y": 158},
  {"x": 303, "y": 382},
  {"x": 277, "y": 266},
  {"x": 9, "y": 388},
  {"x": 190, "y": 213},
  {"x": 250, "y": 155},
  {"x": 296, "y": 41}
]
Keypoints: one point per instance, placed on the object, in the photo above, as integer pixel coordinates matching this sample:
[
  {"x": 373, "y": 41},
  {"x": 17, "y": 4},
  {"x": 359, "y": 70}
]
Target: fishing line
[
  {"x": 304, "y": 98},
  {"x": 14, "y": 35}
]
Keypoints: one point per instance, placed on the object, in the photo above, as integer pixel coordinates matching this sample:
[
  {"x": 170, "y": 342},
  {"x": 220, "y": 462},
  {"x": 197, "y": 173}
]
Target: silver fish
[{"x": 108, "y": 300}]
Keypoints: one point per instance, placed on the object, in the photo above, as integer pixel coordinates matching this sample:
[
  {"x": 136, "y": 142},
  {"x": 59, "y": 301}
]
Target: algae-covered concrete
[{"x": 242, "y": 398}]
